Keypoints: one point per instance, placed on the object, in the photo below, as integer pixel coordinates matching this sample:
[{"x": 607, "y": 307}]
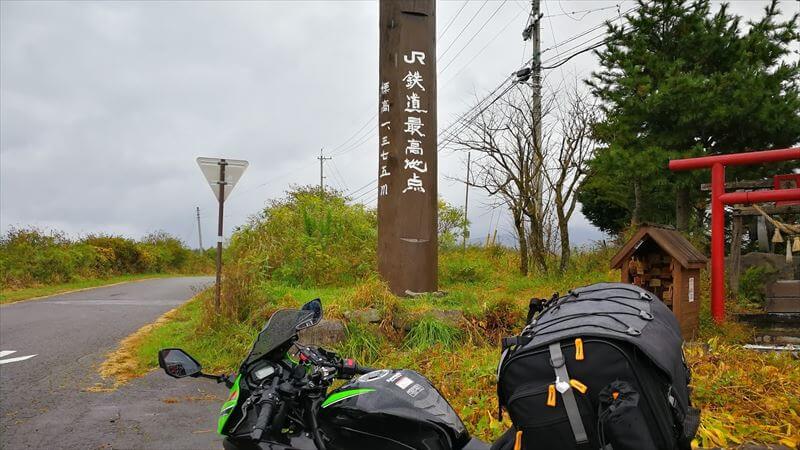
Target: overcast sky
[{"x": 104, "y": 106}]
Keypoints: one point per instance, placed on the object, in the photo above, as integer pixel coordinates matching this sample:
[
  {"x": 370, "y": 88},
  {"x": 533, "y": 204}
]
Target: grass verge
[
  {"x": 32, "y": 293},
  {"x": 746, "y": 397}
]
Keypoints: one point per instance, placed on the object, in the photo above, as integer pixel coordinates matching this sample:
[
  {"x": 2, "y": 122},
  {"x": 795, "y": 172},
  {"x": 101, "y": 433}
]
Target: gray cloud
[{"x": 105, "y": 105}]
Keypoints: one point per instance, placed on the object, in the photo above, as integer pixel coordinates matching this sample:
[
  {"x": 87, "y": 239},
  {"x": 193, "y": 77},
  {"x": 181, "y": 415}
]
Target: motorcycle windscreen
[{"x": 280, "y": 328}]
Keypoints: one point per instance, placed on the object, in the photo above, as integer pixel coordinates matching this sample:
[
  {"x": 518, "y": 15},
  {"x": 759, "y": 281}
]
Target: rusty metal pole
[
  {"x": 217, "y": 302},
  {"x": 407, "y": 152}
]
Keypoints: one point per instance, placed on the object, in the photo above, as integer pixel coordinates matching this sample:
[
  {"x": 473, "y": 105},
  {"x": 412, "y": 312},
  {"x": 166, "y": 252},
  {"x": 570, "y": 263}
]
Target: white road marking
[{"x": 10, "y": 360}]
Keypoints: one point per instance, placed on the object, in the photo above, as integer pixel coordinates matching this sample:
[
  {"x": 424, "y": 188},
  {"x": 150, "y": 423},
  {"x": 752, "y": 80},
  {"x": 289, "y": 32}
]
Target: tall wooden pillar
[{"x": 407, "y": 154}]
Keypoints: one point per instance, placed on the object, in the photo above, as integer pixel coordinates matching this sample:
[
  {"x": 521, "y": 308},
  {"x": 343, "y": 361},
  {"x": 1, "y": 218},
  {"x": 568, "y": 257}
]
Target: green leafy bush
[
  {"x": 31, "y": 257},
  {"x": 309, "y": 238},
  {"x": 752, "y": 283}
]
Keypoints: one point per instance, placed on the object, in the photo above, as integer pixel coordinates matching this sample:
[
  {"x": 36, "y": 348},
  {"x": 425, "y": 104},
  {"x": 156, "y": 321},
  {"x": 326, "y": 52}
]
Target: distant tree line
[{"x": 30, "y": 257}]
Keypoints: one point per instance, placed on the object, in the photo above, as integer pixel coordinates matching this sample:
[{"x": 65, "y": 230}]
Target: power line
[
  {"x": 338, "y": 175},
  {"x": 453, "y": 19},
  {"x": 479, "y": 106},
  {"x": 485, "y": 47},
  {"x": 370, "y": 183},
  {"x": 586, "y": 11},
  {"x": 354, "y": 134},
  {"x": 362, "y": 140},
  {"x": 474, "y": 35},
  {"x": 365, "y": 193},
  {"x": 463, "y": 29}
]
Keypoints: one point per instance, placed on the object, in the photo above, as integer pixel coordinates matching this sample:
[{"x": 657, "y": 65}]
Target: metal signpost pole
[
  {"x": 222, "y": 175},
  {"x": 199, "y": 231},
  {"x": 221, "y": 182},
  {"x": 407, "y": 153}
]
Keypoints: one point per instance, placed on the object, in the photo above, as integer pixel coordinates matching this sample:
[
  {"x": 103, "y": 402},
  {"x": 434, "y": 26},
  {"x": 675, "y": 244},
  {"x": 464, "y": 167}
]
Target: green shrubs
[
  {"x": 309, "y": 238},
  {"x": 752, "y": 284},
  {"x": 31, "y": 257}
]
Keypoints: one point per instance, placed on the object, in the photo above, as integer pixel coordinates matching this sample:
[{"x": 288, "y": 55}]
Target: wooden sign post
[{"x": 407, "y": 154}]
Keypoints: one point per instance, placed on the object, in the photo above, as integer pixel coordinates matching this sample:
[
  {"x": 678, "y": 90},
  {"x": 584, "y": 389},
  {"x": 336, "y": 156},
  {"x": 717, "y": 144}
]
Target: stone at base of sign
[{"x": 327, "y": 332}]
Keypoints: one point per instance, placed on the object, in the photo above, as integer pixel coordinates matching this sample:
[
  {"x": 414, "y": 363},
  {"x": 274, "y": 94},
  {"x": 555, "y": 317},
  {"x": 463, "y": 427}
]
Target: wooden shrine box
[{"x": 662, "y": 261}]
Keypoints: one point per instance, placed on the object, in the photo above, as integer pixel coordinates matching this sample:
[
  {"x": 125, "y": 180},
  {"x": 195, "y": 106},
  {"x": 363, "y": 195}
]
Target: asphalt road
[{"x": 47, "y": 401}]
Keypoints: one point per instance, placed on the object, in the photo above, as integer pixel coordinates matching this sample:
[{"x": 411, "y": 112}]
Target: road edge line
[{"x": 108, "y": 368}]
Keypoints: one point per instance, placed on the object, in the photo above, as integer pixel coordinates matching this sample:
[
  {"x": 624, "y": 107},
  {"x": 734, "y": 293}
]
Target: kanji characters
[
  {"x": 413, "y": 79},
  {"x": 414, "y": 184},
  {"x": 413, "y": 104},
  {"x": 414, "y": 147},
  {"x": 414, "y": 126},
  {"x": 415, "y": 164}
]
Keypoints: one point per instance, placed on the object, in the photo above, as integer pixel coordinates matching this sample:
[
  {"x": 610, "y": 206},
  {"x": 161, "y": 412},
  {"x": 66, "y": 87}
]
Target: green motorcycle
[{"x": 281, "y": 398}]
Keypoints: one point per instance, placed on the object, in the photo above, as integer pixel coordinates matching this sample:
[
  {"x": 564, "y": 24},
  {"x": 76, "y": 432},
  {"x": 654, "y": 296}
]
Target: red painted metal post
[
  {"x": 736, "y": 159},
  {"x": 719, "y": 199},
  {"x": 717, "y": 243},
  {"x": 776, "y": 195}
]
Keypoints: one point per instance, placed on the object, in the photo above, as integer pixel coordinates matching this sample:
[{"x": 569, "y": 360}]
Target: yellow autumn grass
[
  {"x": 745, "y": 396},
  {"x": 123, "y": 363}
]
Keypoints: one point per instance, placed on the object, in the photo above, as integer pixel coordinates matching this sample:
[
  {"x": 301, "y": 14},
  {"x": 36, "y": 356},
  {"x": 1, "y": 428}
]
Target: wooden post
[
  {"x": 736, "y": 256},
  {"x": 407, "y": 153}
]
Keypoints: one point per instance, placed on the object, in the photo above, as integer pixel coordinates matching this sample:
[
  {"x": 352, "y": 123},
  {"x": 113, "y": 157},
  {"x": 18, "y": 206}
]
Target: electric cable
[
  {"x": 453, "y": 19},
  {"x": 463, "y": 29},
  {"x": 474, "y": 35}
]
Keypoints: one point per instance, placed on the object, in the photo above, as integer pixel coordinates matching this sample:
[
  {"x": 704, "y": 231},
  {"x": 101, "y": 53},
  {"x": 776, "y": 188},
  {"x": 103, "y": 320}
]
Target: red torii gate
[{"x": 719, "y": 199}]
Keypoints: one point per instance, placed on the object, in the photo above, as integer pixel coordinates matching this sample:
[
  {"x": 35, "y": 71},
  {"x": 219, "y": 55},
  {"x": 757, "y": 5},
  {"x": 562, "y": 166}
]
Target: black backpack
[{"x": 599, "y": 368}]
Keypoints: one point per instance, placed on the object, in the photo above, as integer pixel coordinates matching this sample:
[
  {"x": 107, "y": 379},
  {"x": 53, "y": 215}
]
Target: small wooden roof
[{"x": 671, "y": 241}]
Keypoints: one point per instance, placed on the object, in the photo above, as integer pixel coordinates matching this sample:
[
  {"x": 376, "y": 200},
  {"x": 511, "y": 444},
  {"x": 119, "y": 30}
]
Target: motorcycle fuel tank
[{"x": 391, "y": 410}]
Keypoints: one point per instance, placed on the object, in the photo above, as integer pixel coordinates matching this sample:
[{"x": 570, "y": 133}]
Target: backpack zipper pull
[
  {"x": 551, "y": 395},
  {"x": 578, "y": 349}
]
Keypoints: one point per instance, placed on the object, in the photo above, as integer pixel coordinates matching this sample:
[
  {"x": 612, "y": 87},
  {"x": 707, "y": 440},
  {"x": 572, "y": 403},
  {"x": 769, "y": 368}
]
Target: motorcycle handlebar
[
  {"x": 347, "y": 368},
  {"x": 261, "y": 421},
  {"x": 361, "y": 370},
  {"x": 266, "y": 411}
]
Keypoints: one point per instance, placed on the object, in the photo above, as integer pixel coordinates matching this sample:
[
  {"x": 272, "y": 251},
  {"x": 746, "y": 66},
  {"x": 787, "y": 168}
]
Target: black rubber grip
[
  {"x": 361, "y": 370},
  {"x": 261, "y": 422}
]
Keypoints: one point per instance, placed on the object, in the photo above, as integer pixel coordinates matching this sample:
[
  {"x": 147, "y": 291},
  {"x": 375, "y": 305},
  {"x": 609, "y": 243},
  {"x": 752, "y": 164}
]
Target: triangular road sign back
[{"x": 234, "y": 168}]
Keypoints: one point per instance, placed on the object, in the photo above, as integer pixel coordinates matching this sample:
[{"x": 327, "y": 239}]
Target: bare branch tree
[
  {"x": 567, "y": 166},
  {"x": 508, "y": 166}
]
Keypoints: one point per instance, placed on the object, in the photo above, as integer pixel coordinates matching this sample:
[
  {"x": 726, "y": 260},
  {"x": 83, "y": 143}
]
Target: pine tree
[{"x": 679, "y": 81}]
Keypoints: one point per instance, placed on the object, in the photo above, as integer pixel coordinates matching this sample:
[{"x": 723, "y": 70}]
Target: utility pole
[
  {"x": 199, "y": 231},
  {"x": 536, "y": 82},
  {"x": 466, "y": 204},
  {"x": 322, "y": 160},
  {"x": 407, "y": 152}
]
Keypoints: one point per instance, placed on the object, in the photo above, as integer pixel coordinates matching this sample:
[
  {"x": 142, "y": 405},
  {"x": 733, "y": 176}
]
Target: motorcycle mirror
[
  {"x": 177, "y": 363},
  {"x": 314, "y": 308}
]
